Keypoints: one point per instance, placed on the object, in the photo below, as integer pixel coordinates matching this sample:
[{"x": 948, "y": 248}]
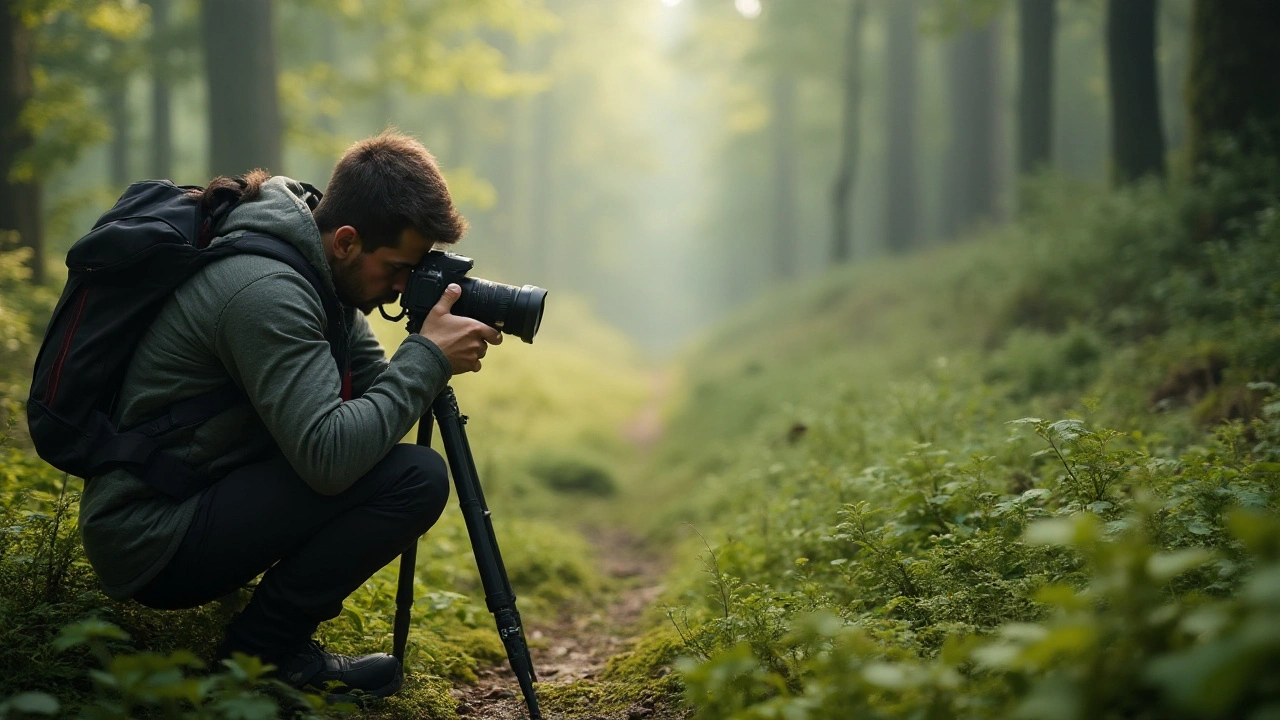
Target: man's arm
[
  {"x": 367, "y": 357},
  {"x": 270, "y": 337}
]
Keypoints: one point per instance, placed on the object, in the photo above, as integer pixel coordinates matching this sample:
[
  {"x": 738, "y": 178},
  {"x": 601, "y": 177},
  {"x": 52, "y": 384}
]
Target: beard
[{"x": 352, "y": 292}]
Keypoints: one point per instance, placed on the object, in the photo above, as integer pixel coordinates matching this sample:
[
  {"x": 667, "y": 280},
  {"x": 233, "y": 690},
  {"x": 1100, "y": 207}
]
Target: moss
[
  {"x": 652, "y": 657},
  {"x": 423, "y": 696},
  {"x": 641, "y": 676}
]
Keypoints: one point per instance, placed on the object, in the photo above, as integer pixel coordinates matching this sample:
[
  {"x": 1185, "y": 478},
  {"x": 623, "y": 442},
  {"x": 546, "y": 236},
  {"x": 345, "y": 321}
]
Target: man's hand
[{"x": 463, "y": 340}]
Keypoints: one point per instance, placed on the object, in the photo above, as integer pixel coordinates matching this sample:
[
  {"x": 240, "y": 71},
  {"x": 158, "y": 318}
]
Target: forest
[{"x": 909, "y": 359}]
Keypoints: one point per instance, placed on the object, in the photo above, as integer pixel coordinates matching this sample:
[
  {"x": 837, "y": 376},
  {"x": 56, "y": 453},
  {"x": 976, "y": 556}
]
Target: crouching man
[{"x": 313, "y": 491}]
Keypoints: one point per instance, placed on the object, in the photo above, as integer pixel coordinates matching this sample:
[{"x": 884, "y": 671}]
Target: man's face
[{"x": 366, "y": 280}]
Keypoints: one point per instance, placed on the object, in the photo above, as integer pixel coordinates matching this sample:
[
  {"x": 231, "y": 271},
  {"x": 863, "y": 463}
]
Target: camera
[{"x": 510, "y": 309}]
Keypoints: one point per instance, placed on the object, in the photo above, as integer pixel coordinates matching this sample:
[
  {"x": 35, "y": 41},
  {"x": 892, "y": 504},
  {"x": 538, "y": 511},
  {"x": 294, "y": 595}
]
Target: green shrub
[{"x": 574, "y": 475}]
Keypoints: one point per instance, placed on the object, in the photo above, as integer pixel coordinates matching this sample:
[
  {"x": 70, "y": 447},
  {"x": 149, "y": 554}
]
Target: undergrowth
[{"x": 1035, "y": 475}]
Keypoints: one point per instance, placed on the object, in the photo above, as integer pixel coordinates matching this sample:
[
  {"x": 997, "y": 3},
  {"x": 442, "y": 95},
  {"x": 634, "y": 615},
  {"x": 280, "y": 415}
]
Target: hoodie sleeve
[
  {"x": 367, "y": 357},
  {"x": 270, "y": 337}
]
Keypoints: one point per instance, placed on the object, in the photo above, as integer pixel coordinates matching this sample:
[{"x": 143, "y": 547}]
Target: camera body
[{"x": 513, "y": 310}]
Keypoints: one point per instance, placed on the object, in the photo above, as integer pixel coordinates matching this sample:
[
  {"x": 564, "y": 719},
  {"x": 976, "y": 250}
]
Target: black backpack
[{"x": 120, "y": 275}]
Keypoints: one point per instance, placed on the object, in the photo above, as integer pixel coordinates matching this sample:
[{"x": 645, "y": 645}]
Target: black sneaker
[{"x": 377, "y": 675}]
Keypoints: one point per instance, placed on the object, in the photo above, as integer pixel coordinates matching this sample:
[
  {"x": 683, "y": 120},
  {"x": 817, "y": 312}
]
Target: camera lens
[{"x": 513, "y": 310}]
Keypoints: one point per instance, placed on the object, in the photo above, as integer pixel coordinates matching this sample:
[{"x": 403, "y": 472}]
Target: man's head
[{"x": 385, "y": 207}]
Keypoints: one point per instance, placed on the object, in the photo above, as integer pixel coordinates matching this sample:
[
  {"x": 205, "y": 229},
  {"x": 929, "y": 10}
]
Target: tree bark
[
  {"x": 1137, "y": 135},
  {"x": 19, "y": 199},
  {"x": 971, "y": 167},
  {"x": 245, "y": 127},
  {"x": 1037, "y": 30},
  {"x": 850, "y": 129},
  {"x": 903, "y": 51},
  {"x": 161, "y": 93},
  {"x": 1233, "y": 85},
  {"x": 784, "y": 174}
]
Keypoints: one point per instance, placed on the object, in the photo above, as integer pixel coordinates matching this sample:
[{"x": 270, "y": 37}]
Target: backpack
[{"x": 120, "y": 275}]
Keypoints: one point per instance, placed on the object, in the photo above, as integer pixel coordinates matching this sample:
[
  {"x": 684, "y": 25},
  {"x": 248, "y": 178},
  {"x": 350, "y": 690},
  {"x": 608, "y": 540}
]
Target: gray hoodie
[{"x": 255, "y": 322}]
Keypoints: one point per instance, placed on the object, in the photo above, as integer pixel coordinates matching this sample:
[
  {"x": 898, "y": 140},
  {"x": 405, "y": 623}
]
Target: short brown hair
[{"x": 385, "y": 184}]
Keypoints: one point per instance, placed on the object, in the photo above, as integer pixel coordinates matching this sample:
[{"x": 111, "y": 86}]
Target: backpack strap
[{"x": 137, "y": 448}]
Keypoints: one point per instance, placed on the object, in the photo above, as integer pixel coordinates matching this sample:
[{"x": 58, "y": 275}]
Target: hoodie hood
[{"x": 280, "y": 210}]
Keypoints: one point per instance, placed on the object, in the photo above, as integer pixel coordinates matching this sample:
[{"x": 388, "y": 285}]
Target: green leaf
[
  {"x": 34, "y": 703},
  {"x": 1165, "y": 566},
  {"x": 81, "y": 633}
]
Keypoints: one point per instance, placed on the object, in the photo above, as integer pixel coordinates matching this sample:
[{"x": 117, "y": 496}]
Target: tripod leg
[
  {"x": 408, "y": 562},
  {"x": 499, "y": 597}
]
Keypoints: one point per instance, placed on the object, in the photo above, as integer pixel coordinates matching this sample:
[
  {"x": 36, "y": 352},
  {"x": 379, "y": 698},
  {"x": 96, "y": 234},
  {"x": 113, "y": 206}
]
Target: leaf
[
  {"x": 35, "y": 703},
  {"x": 1051, "y": 532},
  {"x": 886, "y": 675},
  {"x": 1165, "y": 566},
  {"x": 83, "y": 632}
]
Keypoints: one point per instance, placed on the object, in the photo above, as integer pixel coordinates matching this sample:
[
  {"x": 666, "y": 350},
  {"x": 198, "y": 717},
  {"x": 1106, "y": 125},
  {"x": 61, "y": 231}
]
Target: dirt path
[{"x": 576, "y": 645}]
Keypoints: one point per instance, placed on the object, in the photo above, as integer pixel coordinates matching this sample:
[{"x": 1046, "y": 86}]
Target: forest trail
[{"x": 577, "y": 644}]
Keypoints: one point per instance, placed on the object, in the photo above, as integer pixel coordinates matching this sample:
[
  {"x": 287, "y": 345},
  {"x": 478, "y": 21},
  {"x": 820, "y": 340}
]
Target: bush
[{"x": 574, "y": 474}]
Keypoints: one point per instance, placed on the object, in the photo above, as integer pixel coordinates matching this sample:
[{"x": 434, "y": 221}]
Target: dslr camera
[{"x": 510, "y": 309}]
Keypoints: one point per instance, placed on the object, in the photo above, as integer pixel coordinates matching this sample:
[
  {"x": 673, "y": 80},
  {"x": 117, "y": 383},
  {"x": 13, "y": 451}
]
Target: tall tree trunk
[
  {"x": 19, "y": 199},
  {"x": 851, "y": 125},
  {"x": 1234, "y": 81},
  {"x": 543, "y": 249},
  {"x": 1037, "y": 30},
  {"x": 1137, "y": 136},
  {"x": 240, "y": 67},
  {"x": 903, "y": 51},
  {"x": 161, "y": 93},
  {"x": 971, "y": 160},
  {"x": 784, "y": 174},
  {"x": 117, "y": 100}
]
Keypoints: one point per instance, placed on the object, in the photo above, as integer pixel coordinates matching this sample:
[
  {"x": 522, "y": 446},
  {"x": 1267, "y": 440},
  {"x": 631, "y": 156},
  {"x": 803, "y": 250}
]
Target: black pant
[{"x": 315, "y": 549}]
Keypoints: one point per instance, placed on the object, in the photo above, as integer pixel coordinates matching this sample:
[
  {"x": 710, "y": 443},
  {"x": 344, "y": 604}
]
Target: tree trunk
[
  {"x": 161, "y": 93},
  {"x": 846, "y": 175},
  {"x": 900, "y": 223},
  {"x": 240, "y": 67},
  {"x": 1037, "y": 30},
  {"x": 543, "y": 248},
  {"x": 1137, "y": 137},
  {"x": 784, "y": 174},
  {"x": 1234, "y": 82},
  {"x": 971, "y": 167},
  {"x": 19, "y": 199},
  {"x": 117, "y": 101}
]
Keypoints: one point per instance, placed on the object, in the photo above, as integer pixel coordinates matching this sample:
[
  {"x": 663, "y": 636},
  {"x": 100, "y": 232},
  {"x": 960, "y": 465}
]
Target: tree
[
  {"x": 850, "y": 129},
  {"x": 971, "y": 174},
  {"x": 1234, "y": 81},
  {"x": 161, "y": 94},
  {"x": 1037, "y": 26},
  {"x": 900, "y": 117},
  {"x": 245, "y": 127},
  {"x": 784, "y": 173},
  {"x": 19, "y": 196},
  {"x": 1137, "y": 135}
]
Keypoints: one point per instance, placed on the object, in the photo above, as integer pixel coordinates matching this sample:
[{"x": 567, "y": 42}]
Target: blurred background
[{"x": 666, "y": 160}]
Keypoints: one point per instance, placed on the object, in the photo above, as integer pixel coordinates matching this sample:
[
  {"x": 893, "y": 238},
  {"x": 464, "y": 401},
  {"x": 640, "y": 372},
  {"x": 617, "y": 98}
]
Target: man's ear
[{"x": 346, "y": 242}]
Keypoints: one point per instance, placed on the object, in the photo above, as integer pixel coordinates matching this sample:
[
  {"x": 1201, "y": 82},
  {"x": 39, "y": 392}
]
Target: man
[{"x": 314, "y": 489}]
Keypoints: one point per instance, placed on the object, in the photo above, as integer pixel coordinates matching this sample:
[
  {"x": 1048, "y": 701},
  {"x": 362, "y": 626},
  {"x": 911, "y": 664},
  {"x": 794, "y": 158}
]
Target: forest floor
[{"x": 576, "y": 645}]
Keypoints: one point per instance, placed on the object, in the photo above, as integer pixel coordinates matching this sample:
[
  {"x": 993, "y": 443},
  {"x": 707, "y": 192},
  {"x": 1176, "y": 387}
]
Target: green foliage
[
  {"x": 570, "y": 474},
  {"x": 890, "y": 543},
  {"x": 80, "y": 44}
]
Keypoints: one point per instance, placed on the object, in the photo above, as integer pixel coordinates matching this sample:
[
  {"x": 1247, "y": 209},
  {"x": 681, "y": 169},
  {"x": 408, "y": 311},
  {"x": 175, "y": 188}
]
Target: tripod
[{"x": 498, "y": 595}]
